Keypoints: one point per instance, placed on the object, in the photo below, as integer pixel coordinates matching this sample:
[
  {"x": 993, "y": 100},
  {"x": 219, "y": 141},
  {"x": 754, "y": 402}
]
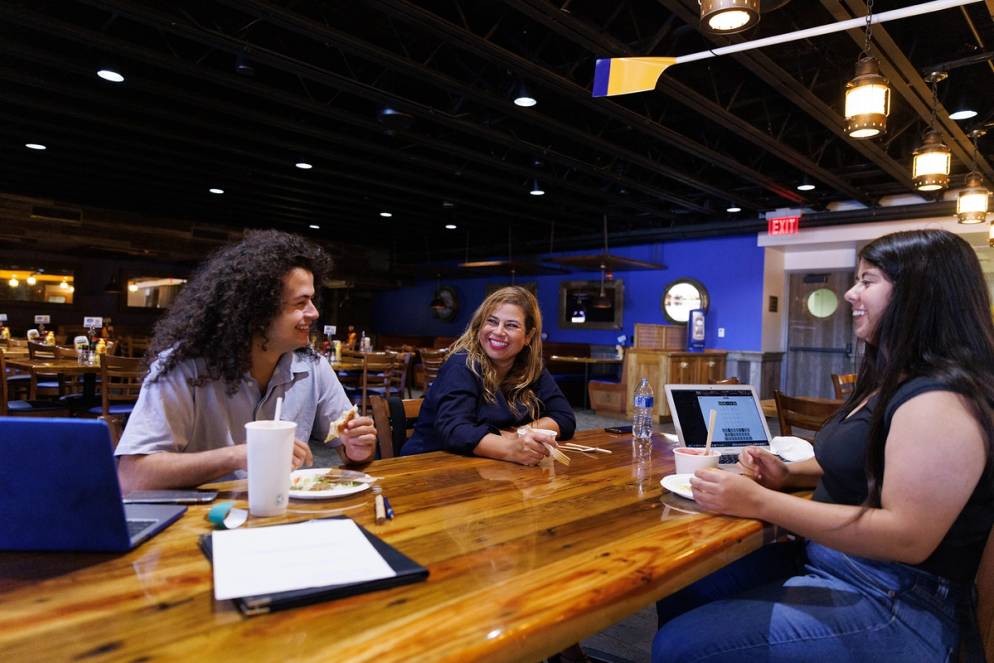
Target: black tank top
[{"x": 840, "y": 448}]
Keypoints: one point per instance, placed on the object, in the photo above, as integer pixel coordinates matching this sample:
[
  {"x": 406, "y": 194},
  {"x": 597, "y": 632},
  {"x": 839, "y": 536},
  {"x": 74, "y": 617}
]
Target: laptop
[
  {"x": 59, "y": 490},
  {"x": 739, "y": 423}
]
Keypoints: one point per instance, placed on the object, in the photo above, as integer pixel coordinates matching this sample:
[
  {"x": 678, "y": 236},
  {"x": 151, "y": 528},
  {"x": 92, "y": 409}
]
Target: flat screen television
[{"x": 582, "y": 307}]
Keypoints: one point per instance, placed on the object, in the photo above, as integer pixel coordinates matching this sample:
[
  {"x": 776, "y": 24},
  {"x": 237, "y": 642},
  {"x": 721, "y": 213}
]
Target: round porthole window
[
  {"x": 681, "y": 297},
  {"x": 822, "y": 303}
]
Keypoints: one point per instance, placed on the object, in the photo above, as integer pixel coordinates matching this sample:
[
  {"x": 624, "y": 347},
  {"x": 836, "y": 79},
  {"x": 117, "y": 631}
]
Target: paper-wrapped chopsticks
[{"x": 571, "y": 446}]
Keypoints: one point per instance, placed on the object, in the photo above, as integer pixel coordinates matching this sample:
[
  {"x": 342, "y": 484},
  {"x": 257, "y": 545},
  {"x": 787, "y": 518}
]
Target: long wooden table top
[
  {"x": 523, "y": 560},
  {"x": 47, "y": 366}
]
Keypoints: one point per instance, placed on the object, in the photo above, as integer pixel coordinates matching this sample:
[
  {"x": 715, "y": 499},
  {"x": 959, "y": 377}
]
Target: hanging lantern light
[
  {"x": 973, "y": 201},
  {"x": 867, "y": 100},
  {"x": 727, "y": 17},
  {"x": 868, "y": 93},
  {"x": 930, "y": 170}
]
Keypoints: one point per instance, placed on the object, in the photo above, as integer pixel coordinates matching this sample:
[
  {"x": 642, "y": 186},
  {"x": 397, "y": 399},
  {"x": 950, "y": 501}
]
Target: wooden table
[
  {"x": 38, "y": 367},
  {"x": 586, "y": 361},
  {"x": 524, "y": 561}
]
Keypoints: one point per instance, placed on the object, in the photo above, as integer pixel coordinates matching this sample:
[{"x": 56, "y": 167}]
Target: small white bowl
[{"x": 689, "y": 461}]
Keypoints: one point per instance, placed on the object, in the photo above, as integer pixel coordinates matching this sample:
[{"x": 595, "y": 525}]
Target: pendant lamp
[
  {"x": 933, "y": 159},
  {"x": 973, "y": 201},
  {"x": 725, "y": 17},
  {"x": 868, "y": 93}
]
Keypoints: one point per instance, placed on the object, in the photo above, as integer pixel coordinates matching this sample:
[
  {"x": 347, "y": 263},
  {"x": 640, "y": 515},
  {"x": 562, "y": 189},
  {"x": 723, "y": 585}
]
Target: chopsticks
[
  {"x": 557, "y": 454},
  {"x": 572, "y": 446}
]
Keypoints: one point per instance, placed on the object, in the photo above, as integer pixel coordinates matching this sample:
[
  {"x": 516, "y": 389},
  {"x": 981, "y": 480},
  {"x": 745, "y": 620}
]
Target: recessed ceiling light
[
  {"x": 314, "y": 226},
  {"x": 523, "y": 98},
  {"x": 110, "y": 75},
  {"x": 35, "y": 146},
  {"x": 733, "y": 209},
  {"x": 537, "y": 189},
  {"x": 964, "y": 114},
  {"x": 216, "y": 190},
  {"x": 450, "y": 226},
  {"x": 805, "y": 186},
  {"x": 303, "y": 165},
  {"x": 386, "y": 215}
]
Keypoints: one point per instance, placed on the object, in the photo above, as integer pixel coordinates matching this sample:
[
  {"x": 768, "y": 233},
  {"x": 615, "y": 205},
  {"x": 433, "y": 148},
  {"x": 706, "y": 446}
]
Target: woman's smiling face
[
  {"x": 869, "y": 299},
  {"x": 502, "y": 334}
]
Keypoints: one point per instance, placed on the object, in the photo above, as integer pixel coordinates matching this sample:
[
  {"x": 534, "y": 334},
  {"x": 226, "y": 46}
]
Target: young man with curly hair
[{"x": 234, "y": 341}]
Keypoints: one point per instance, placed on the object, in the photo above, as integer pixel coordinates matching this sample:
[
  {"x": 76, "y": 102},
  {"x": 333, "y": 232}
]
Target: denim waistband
[{"x": 890, "y": 578}]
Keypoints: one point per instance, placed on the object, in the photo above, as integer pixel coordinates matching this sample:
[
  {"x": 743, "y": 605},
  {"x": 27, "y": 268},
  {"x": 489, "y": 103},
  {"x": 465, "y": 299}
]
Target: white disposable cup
[
  {"x": 270, "y": 457},
  {"x": 547, "y": 434},
  {"x": 689, "y": 461}
]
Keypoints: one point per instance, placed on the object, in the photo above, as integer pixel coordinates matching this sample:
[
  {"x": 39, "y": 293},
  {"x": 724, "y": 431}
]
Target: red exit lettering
[{"x": 784, "y": 225}]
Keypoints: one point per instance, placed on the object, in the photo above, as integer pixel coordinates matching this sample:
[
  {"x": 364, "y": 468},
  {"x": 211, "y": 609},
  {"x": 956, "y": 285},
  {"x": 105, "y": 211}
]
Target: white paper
[{"x": 317, "y": 553}]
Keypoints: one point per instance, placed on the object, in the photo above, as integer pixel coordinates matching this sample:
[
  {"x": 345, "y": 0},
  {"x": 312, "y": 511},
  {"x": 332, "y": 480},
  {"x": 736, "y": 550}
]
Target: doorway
[{"x": 820, "y": 339}]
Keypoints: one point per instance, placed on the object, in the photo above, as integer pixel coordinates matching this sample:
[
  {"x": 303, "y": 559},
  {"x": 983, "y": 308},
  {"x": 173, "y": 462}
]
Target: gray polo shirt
[{"x": 173, "y": 415}]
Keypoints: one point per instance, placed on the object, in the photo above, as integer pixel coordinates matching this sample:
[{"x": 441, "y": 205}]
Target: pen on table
[{"x": 386, "y": 503}]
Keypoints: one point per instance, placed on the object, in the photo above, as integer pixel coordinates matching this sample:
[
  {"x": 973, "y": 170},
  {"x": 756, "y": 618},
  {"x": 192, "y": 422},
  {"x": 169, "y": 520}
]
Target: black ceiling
[{"x": 742, "y": 129}]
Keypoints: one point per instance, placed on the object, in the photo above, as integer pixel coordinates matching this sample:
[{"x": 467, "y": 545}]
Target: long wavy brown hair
[
  {"x": 517, "y": 385},
  {"x": 230, "y": 299}
]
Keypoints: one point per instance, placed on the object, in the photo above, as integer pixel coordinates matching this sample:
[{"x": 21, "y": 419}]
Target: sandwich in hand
[{"x": 339, "y": 426}]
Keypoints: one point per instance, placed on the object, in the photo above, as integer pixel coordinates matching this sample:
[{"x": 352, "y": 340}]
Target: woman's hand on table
[
  {"x": 764, "y": 468},
  {"x": 526, "y": 448},
  {"x": 726, "y": 493},
  {"x": 359, "y": 439}
]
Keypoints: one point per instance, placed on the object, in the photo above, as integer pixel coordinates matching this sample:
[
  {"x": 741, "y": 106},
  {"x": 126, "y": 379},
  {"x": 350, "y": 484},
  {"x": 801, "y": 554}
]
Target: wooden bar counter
[{"x": 524, "y": 561}]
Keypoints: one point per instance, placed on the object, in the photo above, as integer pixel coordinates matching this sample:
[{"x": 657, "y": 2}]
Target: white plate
[
  {"x": 320, "y": 494},
  {"x": 679, "y": 484},
  {"x": 791, "y": 448}
]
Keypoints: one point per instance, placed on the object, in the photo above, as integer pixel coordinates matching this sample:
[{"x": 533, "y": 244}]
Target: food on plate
[
  {"x": 314, "y": 482},
  {"x": 338, "y": 426}
]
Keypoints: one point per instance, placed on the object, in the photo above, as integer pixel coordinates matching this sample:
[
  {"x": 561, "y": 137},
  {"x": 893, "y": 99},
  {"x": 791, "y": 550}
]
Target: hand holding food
[
  {"x": 338, "y": 426},
  {"x": 359, "y": 439}
]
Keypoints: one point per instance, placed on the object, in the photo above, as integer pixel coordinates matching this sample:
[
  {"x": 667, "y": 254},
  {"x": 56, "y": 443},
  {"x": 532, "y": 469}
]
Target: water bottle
[{"x": 642, "y": 422}]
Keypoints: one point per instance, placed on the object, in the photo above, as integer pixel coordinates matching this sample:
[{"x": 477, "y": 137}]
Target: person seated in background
[
  {"x": 234, "y": 341},
  {"x": 492, "y": 383},
  {"x": 904, "y": 488}
]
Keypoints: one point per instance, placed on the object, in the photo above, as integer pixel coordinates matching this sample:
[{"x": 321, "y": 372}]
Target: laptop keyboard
[{"x": 136, "y": 526}]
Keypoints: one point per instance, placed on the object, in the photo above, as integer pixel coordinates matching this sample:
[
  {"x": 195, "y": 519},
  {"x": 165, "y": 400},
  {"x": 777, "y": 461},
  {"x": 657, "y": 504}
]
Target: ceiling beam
[
  {"x": 402, "y": 10},
  {"x": 907, "y": 82},
  {"x": 795, "y": 92},
  {"x": 580, "y": 32}
]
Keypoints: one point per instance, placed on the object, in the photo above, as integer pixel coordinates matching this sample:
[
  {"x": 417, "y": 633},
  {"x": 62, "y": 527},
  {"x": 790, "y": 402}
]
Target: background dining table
[
  {"x": 38, "y": 367},
  {"x": 523, "y": 562}
]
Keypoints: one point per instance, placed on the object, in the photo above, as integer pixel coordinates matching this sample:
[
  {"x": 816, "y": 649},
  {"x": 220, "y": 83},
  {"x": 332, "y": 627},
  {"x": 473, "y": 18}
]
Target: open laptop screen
[{"x": 739, "y": 422}]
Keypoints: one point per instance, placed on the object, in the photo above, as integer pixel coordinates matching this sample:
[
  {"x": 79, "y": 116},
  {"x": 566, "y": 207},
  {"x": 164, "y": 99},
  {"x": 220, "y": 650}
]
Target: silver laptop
[{"x": 739, "y": 423}]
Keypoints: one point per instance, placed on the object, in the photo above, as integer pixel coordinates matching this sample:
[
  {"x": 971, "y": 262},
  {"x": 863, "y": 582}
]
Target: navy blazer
[{"x": 455, "y": 416}]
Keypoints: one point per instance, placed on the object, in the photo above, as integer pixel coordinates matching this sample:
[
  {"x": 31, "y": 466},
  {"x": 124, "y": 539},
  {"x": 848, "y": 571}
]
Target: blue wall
[{"x": 731, "y": 268}]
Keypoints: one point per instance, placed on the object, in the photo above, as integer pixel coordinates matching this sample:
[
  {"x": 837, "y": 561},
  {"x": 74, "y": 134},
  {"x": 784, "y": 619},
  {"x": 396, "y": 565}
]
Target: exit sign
[{"x": 783, "y": 225}]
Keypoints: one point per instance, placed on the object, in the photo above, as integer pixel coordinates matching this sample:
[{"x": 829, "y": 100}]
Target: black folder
[{"x": 408, "y": 571}]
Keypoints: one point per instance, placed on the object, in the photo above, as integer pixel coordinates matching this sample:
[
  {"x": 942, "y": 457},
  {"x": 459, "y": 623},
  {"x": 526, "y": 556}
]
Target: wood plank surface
[{"x": 523, "y": 560}]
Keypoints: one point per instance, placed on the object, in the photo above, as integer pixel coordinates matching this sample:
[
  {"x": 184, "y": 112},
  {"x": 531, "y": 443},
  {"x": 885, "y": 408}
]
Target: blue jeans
[{"x": 844, "y": 609}]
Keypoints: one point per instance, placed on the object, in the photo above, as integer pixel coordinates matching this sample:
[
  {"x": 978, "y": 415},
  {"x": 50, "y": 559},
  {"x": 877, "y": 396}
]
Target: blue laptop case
[{"x": 59, "y": 489}]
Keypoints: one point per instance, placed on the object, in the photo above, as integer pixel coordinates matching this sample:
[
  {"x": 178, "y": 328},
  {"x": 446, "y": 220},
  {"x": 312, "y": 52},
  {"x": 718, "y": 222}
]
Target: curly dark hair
[{"x": 230, "y": 299}]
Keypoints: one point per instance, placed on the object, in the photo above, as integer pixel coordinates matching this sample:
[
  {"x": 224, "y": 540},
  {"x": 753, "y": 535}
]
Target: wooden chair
[
  {"x": 805, "y": 413},
  {"x": 378, "y": 370},
  {"x": 121, "y": 381},
  {"x": 135, "y": 346},
  {"x": 71, "y": 384},
  {"x": 431, "y": 361},
  {"x": 407, "y": 379},
  {"x": 844, "y": 383},
  {"x": 394, "y": 419},
  {"x": 985, "y": 599},
  {"x": 44, "y": 384},
  {"x": 22, "y": 408},
  {"x": 606, "y": 396},
  {"x": 400, "y": 378}
]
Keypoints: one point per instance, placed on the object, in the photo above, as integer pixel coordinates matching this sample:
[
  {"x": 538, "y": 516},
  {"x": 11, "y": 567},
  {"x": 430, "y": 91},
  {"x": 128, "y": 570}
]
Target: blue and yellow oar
[{"x": 613, "y": 76}]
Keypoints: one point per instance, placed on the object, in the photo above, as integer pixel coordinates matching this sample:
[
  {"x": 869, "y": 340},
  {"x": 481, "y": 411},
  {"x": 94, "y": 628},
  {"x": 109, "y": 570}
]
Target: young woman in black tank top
[{"x": 890, "y": 556}]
